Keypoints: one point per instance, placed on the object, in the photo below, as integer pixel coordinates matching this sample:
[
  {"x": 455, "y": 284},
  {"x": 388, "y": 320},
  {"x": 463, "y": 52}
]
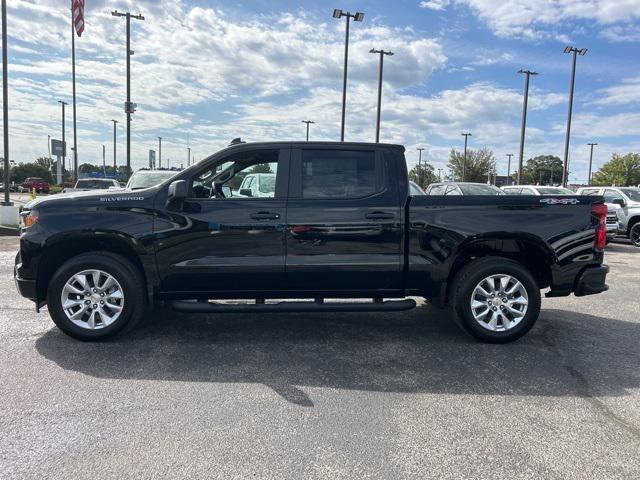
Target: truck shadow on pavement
[{"x": 421, "y": 351}]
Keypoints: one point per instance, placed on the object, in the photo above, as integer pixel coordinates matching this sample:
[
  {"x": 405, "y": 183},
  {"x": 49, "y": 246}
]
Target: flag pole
[{"x": 73, "y": 75}]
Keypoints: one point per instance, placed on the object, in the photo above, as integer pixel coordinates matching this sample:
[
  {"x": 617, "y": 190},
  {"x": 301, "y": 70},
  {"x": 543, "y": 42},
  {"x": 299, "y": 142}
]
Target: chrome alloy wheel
[
  {"x": 499, "y": 302},
  {"x": 92, "y": 299}
]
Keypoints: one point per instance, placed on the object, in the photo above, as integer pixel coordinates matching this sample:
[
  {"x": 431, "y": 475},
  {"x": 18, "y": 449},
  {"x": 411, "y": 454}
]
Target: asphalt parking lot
[{"x": 402, "y": 395}]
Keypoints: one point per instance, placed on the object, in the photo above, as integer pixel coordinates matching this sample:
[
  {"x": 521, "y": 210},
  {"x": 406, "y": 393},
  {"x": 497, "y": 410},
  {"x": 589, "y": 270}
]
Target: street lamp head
[
  {"x": 582, "y": 51},
  {"x": 358, "y": 17},
  {"x": 568, "y": 49},
  {"x": 337, "y": 13},
  {"x": 373, "y": 50}
]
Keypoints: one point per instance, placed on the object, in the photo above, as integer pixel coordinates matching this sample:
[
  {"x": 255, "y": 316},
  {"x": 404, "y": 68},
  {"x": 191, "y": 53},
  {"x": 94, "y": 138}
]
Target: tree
[
  {"x": 24, "y": 170},
  {"x": 423, "y": 175},
  {"x": 478, "y": 165},
  {"x": 261, "y": 168},
  {"x": 542, "y": 170},
  {"x": 621, "y": 170}
]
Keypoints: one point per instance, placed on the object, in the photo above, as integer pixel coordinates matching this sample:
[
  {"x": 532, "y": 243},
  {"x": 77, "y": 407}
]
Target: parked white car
[
  {"x": 86, "y": 184},
  {"x": 612, "y": 209},
  {"x": 627, "y": 199},
  {"x": 258, "y": 185},
  {"x": 535, "y": 190}
]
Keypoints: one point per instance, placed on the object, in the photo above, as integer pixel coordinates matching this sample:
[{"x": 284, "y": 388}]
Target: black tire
[
  {"x": 470, "y": 276},
  {"x": 129, "y": 278},
  {"x": 634, "y": 234}
]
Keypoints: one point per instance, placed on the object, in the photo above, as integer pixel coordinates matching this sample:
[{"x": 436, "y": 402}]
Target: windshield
[
  {"x": 267, "y": 184},
  {"x": 148, "y": 179},
  {"x": 472, "y": 189},
  {"x": 415, "y": 189},
  {"x": 554, "y": 191},
  {"x": 632, "y": 193}
]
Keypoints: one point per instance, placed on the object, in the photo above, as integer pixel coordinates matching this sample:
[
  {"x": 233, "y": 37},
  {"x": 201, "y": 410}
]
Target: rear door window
[{"x": 340, "y": 174}]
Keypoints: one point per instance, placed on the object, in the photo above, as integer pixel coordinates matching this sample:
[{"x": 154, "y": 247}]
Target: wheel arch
[
  {"x": 61, "y": 249},
  {"x": 531, "y": 251}
]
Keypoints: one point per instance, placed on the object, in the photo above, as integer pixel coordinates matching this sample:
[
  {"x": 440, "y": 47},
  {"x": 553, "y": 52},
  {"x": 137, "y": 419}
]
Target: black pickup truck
[{"x": 335, "y": 223}]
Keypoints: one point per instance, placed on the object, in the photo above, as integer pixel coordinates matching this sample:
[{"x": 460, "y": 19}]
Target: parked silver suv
[{"x": 628, "y": 199}]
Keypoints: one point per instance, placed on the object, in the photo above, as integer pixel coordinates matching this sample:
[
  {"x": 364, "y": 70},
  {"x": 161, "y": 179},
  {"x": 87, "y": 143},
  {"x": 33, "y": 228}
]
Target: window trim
[
  {"x": 295, "y": 177},
  {"x": 282, "y": 180}
]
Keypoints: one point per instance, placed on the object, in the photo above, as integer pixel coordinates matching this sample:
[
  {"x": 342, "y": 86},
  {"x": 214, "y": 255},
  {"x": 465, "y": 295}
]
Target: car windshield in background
[
  {"x": 267, "y": 184},
  {"x": 148, "y": 179},
  {"x": 554, "y": 191},
  {"x": 632, "y": 193},
  {"x": 480, "y": 189}
]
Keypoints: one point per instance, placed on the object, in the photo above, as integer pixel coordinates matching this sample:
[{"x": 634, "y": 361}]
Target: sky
[{"x": 205, "y": 72}]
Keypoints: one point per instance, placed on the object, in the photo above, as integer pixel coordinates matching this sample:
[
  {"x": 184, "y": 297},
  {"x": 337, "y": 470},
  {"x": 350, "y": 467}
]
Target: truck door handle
[
  {"x": 265, "y": 216},
  {"x": 379, "y": 216}
]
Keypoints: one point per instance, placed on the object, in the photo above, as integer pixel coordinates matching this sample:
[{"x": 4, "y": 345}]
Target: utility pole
[
  {"x": 527, "y": 74},
  {"x": 129, "y": 107},
  {"x": 64, "y": 143},
  {"x": 509, "y": 168},
  {"x": 5, "y": 106},
  {"x": 104, "y": 161},
  {"x": 307, "y": 122},
  {"x": 115, "y": 166},
  {"x": 590, "y": 161},
  {"x": 439, "y": 174},
  {"x": 420, "y": 166},
  {"x": 382, "y": 53},
  {"x": 188, "y": 156},
  {"x": 575, "y": 51},
  {"x": 464, "y": 163},
  {"x": 357, "y": 17},
  {"x": 160, "y": 152}
]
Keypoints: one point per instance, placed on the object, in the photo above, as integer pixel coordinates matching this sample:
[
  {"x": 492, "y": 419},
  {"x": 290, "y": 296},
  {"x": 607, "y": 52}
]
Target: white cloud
[
  {"x": 435, "y": 4},
  {"x": 536, "y": 19},
  {"x": 625, "y": 93}
]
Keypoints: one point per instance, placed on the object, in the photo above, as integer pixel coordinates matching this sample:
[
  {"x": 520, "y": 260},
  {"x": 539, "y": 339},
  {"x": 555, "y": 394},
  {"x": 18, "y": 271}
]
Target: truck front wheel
[
  {"x": 495, "y": 299},
  {"x": 96, "y": 295}
]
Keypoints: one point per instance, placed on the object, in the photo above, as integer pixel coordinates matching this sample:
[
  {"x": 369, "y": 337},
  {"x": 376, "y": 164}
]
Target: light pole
[
  {"x": 115, "y": 166},
  {"x": 509, "y": 168},
  {"x": 590, "y": 161},
  {"x": 308, "y": 122},
  {"x": 5, "y": 106},
  {"x": 382, "y": 53},
  {"x": 464, "y": 163},
  {"x": 439, "y": 174},
  {"x": 129, "y": 108},
  {"x": 357, "y": 17},
  {"x": 420, "y": 166},
  {"x": 160, "y": 152},
  {"x": 575, "y": 51},
  {"x": 64, "y": 143},
  {"x": 527, "y": 74},
  {"x": 188, "y": 156}
]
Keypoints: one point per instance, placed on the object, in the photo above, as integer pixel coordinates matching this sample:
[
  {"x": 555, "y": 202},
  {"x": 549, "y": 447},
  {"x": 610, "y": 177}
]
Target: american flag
[{"x": 78, "y": 16}]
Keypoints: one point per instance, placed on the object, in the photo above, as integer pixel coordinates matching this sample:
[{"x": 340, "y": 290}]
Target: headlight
[{"x": 29, "y": 218}]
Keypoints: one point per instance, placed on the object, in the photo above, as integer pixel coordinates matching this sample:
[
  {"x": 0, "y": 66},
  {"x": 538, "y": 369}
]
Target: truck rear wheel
[
  {"x": 96, "y": 295},
  {"x": 495, "y": 299}
]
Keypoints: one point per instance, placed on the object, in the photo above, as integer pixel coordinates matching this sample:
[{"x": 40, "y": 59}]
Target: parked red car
[{"x": 34, "y": 182}]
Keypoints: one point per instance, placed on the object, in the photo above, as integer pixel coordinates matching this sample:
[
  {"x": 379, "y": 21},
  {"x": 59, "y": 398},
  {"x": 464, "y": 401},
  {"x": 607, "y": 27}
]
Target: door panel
[
  {"x": 230, "y": 244},
  {"x": 342, "y": 243}
]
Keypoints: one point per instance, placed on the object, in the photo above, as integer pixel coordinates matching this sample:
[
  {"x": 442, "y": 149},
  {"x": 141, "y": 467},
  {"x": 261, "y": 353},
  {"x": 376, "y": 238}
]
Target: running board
[{"x": 211, "y": 307}]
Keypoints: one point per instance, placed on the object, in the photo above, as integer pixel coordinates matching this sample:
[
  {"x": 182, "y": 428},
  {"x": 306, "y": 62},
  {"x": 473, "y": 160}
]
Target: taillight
[{"x": 599, "y": 210}]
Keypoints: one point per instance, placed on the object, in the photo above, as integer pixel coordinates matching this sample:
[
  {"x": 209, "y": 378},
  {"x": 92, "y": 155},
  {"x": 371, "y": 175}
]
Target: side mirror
[
  {"x": 177, "y": 193},
  {"x": 619, "y": 201},
  {"x": 245, "y": 192}
]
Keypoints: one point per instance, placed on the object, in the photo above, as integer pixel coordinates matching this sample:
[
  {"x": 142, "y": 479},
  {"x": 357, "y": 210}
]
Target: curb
[{"x": 9, "y": 231}]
